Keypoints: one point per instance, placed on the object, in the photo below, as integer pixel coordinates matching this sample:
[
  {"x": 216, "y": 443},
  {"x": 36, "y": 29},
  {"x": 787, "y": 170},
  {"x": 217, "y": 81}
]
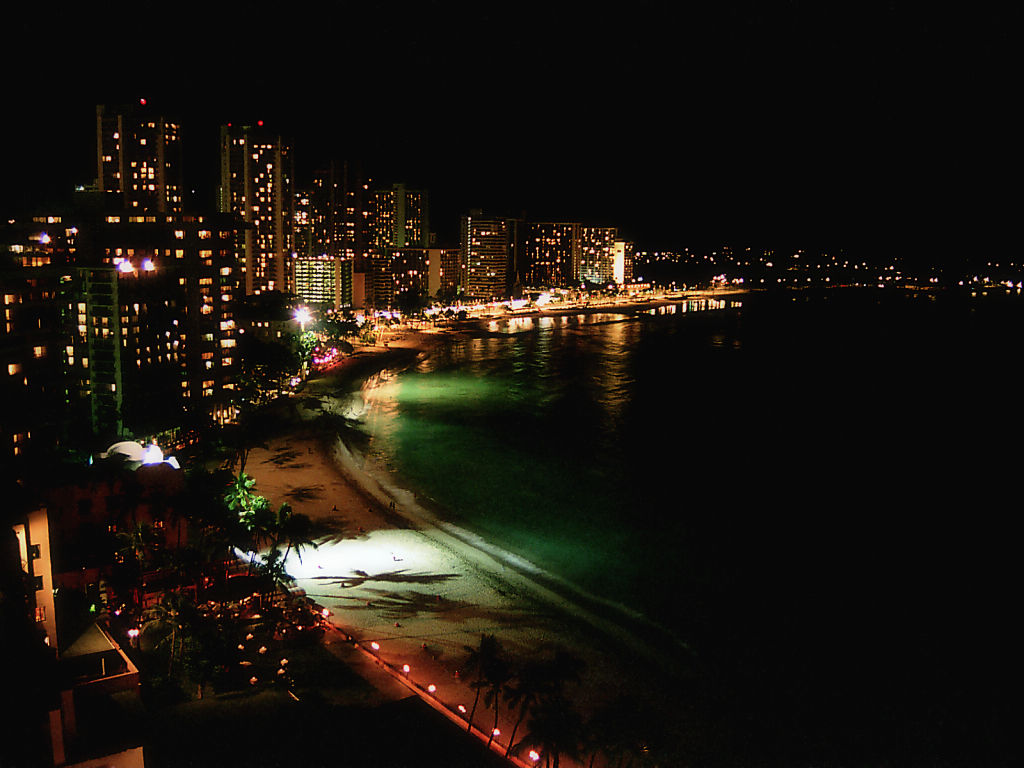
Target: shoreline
[
  {"x": 425, "y": 589},
  {"x": 423, "y": 602}
]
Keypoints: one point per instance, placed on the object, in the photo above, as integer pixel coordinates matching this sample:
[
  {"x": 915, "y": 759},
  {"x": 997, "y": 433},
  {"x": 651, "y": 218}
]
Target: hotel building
[
  {"x": 552, "y": 252},
  {"x": 324, "y": 280},
  {"x": 489, "y": 246},
  {"x": 137, "y": 311},
  {"x": 256, "y": 185},
  {"x": 138, "y": 158},
  {"x": 34, "y": 288},
  {"x": 399, "y": 218},
  {"x": 596, "y": 255}
]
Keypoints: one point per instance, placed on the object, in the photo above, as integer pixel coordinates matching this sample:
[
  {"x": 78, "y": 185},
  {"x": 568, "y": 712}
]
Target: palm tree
[
  {"x": 531, "y": 683},
  {"x": 540, "y": 680},
  {"x": 554, "y": 728},
  {"x": 479, "y": 662},
  {"x": 214, "y": 528},
  {"x": 272, "y": 568},
  {"x": 296, "y": 530},
  {"x": 497, "y": 676},
  {"x": 170, "y": 618},
  {"x": 136, "y": 541}
]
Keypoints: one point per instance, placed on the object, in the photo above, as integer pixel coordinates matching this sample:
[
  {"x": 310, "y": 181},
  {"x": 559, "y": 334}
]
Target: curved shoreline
[
  {"x": 626, "y": 626},
  {"x": 424, "y": 590},
  {"x": 607, "y": 616}
]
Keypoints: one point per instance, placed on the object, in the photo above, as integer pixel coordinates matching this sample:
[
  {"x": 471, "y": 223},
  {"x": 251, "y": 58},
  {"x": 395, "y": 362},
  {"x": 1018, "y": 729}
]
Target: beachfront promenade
[{"x": 410, "y": 600}]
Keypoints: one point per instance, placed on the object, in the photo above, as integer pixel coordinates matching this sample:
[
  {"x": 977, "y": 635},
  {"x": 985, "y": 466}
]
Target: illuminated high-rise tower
[
  {"x": 400, "y": 218},
  {"x": 488, "y": 248},
  {"x": 138, "y": 156},
  {"x": 552, "y": 251},
  {"x": 256, "y": 185},
  {"x": 596, "y": 255}
]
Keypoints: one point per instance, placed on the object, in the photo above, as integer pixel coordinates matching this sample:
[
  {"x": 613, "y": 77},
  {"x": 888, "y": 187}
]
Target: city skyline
[{"x": 747, "y": 123}]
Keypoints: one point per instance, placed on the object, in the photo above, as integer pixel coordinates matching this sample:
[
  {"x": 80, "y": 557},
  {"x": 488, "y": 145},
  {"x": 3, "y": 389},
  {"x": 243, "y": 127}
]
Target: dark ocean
[{"x": 814, "y": 491}]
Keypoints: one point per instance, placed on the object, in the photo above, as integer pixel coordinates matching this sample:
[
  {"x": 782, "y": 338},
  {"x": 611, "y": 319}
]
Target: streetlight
[{"x": 303, "y": 316}]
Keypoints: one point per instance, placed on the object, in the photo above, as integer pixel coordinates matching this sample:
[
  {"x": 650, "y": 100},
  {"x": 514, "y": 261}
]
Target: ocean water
[{"x": 812, "y": 490}]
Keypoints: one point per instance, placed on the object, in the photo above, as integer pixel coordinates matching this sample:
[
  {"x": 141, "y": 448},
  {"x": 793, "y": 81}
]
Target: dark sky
[{"x": 877, "y": 124}]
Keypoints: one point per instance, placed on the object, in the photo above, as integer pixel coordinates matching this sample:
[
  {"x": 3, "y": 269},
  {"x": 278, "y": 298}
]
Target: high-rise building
[
  {"x": 488, "y": 248},
  {"x": 400, "y": 218},
  {"x": 256, "y": 185},
  {"x": 138, "y": 157},
  {"x": 117, "y": 324},
  {"x": 398, "y": 278},
  {"x": 34, "y": 281},
  {"x": 152, "y": 312},
  {"x": 622, "y": 268},
  {"x": 333, "y": 225},
  {"x": 552, "y": 251},
  {"x": 596, "y": 255},
  {"x": 304, "y": 225},
  {"x": 445, "y": 274},
  {"x": 324, "y": 280}
]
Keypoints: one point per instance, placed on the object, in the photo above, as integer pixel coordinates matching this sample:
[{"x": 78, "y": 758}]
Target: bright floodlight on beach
[{"x": 152, "y": 454}]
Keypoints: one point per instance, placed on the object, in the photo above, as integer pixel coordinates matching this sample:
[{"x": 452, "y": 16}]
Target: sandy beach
[{"x": 422, "y": 590}]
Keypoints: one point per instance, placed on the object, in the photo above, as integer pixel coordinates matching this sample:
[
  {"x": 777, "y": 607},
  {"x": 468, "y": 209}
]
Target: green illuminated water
[
  {"x": 519, "y": 437},
  {"x": 812, "y": 490}
]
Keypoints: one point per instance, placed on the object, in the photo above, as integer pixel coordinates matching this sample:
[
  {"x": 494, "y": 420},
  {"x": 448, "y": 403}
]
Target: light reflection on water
[
  {"x": 525, "y": 324},
  {"x": 525, "y": 432}
]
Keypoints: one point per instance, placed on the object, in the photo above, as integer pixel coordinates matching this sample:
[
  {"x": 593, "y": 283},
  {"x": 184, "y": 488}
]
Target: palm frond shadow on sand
[
  {"x": 305, "y": 492},
  {"x": 415, "y": 603}
]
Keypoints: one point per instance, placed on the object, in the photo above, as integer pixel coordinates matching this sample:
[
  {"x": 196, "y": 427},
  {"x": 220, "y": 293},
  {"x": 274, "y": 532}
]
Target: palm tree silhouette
[
  {"x": 554, "y": 728},
  {"x": 497, "y": 676},
  {"x": 540, "y": 680},
  {"x": 479, "y": 663}
]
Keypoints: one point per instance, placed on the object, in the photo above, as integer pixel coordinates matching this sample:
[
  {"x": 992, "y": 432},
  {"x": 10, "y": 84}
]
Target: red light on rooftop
[
  {"x": 142, "y": 102},
  {"x": 259, "y": 123}
]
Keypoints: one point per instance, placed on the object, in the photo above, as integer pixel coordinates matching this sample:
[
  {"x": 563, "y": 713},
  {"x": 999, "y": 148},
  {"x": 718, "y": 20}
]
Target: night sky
[{"x": 878, "y": 125}]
